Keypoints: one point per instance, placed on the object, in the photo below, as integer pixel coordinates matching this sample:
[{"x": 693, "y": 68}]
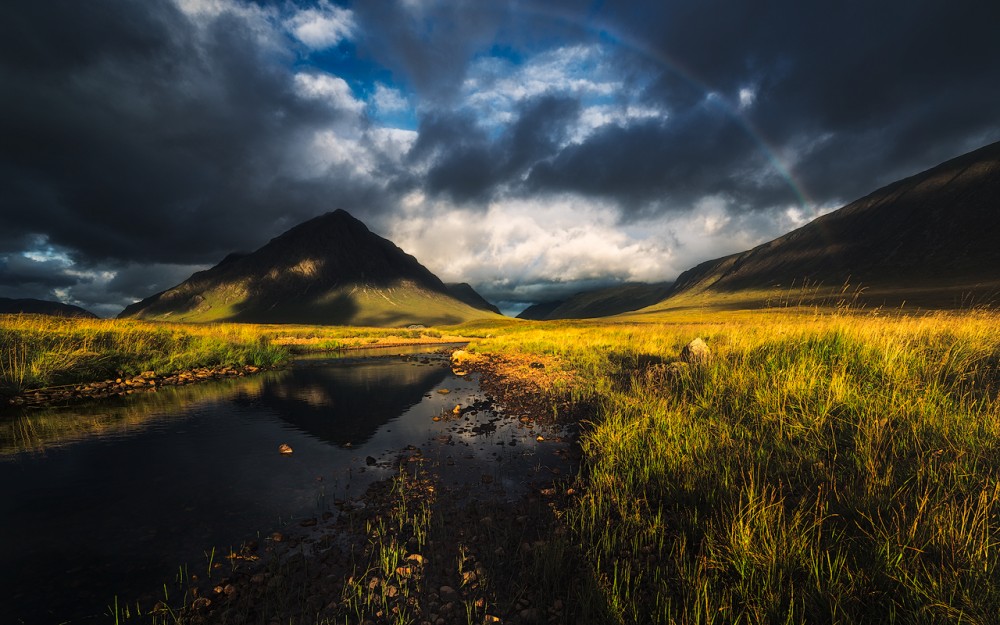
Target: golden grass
[{"x": 826, "y": 465}]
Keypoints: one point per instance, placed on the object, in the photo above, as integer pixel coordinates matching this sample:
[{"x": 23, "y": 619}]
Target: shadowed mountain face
[
  {"x": 328, "y": 270},
  {"x": 604, "y": 302},
  {"x": 924, "y": 235},
  {"x": 463, "y": 292},
  {"x": 42, "y": 307},
  {"x": 540, "y": 311}
]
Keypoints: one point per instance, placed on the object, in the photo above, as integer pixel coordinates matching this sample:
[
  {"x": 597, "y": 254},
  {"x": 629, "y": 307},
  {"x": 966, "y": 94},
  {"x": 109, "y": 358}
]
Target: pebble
[{"x": 447, "y": 594}]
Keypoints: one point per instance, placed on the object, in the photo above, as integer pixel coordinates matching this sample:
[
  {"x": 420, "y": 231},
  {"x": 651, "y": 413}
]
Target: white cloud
[
  {"x": 355, "y": 154},
  {"x": 264, "y": 22},
  {"x": 747, "y": 97},
  {"x": 205, "y": 8},
  {"x": 389, "y": 100},
  {"x": 322, "y": 27},
  {"x": 393, "y": 143},
  {"x": 593, "y": 117},
  {"x": 333, "y": 89},
  {"x": 527, "y": 242},
  {"x": 496, "y": 85},
  {"x": 518, "y": 249}
]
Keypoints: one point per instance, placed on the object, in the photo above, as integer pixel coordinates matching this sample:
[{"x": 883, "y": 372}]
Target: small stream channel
[{"x": 112, "y": 498}]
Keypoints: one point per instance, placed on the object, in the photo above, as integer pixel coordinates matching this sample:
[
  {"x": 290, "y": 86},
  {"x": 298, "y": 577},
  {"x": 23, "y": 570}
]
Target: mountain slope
[
  {"x": 10, "y": 306},
  {"x": 926, "y": 238},
  {"x": 328, "y": 270},
  {"x": 540, "y": 311},
  {"x": 605, "y": 302},
  {"x": 463, "y": 292},
  {"x": 609, "y": 301}
]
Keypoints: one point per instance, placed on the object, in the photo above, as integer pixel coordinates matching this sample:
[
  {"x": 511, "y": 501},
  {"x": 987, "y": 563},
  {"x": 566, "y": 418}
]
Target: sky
[{"x": 532, "y": 149}]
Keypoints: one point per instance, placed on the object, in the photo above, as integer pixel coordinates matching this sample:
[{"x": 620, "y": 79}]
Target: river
[{"x": 112, "y": 499}]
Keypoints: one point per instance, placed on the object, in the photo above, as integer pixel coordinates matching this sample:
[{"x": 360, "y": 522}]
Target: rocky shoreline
[{"x": 145, "y": 382}]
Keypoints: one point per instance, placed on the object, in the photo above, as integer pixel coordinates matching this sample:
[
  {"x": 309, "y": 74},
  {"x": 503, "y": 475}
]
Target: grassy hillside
[
  {"x": 928, "y": 296},
  {"x": 609, "y": 301},
  {"x": 396, "y": 305},
  {"x": 927, "y": 239}
]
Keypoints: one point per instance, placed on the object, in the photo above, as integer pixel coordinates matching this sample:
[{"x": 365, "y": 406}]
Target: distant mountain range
[
  {"x": 603, "y": 302},
  {"x": 328, "y": 270},
  {"x": 42, "y": 307},
  {"x": 930, "y": 239}
]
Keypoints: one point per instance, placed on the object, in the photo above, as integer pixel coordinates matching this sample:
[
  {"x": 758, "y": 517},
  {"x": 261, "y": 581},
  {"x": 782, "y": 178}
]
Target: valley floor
[{"x": 821, "y": 465}]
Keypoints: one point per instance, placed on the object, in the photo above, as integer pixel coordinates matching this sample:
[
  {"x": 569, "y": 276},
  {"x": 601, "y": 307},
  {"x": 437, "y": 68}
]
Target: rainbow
[{"x": 665, "y": 61}]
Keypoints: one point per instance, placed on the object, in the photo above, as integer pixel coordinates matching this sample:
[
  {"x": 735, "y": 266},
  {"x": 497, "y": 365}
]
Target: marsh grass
[
  {"x": 38, "y": 351},
  {"x": 826, "y": 465},
  {"x": 830, "y": 467}
]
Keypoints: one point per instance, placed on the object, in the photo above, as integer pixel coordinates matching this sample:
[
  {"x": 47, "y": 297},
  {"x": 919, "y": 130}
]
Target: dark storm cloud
[
  {"x": 900, "y": 86},
  {"x": 852, "y": 96},
  {"x": 468, "y": 164},
  {"x": 652, "y": 160},
  {"x": 141, "y": 142},
  {"x": 16, "y": 270},
  {"x": 429, "y": 44},
  {"x": 131, "y": 132}
]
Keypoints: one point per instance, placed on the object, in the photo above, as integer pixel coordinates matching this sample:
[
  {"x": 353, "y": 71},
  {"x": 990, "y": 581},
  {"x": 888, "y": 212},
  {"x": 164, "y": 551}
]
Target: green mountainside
[
  {"x": 329, "y": 270},
  {"x": 930, "y": 240},
  {"x": 603, "y": 302}
]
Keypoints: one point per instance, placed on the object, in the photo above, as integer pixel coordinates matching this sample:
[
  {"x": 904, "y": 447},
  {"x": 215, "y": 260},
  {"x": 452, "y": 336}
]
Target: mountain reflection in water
[
  {"x": 107, "y": 499},
  {"x": 346, "y": 405}
]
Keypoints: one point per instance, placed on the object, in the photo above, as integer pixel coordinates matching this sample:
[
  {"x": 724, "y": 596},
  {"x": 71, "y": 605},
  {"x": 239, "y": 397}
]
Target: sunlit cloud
[
  {"x": 322, "y": 27},
  {"x": 326, "y": 87},
  {"x": 389, "y": 100}
]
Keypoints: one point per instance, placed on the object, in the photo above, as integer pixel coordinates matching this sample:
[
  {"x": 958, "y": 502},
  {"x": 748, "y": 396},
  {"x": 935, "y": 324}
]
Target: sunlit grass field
[
  {"x": 823, "y": 466},
  {"x": 39, "y": 351}
]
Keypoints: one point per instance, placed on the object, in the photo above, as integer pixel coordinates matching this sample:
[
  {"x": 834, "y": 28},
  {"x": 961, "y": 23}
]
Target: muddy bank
[{"x": 146, "y": 382}]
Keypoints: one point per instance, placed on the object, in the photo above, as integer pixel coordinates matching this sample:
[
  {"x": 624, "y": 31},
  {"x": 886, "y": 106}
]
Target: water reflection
[
  {"x": 346, "y": 405},
  {"x": 108, "y": 499}
]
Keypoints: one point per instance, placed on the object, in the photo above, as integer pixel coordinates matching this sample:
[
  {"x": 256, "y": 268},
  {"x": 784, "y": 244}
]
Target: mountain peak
[{"x": 315, "y": 272}]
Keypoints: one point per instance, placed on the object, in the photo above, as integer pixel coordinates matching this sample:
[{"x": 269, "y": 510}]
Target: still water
[{"x": 109, "y": 500}]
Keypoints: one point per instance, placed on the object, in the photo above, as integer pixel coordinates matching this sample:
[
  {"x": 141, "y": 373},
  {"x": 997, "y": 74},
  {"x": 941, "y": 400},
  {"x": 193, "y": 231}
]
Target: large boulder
[{"x": 696, "y": 352}]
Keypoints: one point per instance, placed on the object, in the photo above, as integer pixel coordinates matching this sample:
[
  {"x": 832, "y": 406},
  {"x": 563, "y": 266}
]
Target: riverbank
[
  {"x": 46, "y": 361},
  {"x": 421, "y": 546}
]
